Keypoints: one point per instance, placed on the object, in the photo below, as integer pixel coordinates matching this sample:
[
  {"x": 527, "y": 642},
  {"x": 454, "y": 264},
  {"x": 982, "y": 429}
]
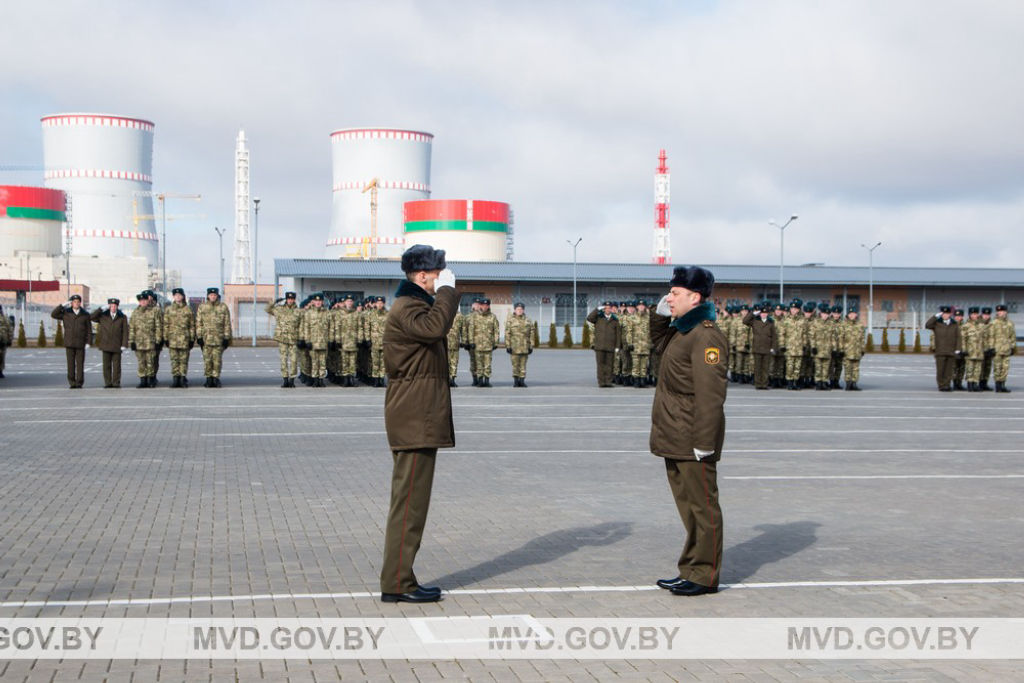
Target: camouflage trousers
[
  {"x": 289, "y": 359},
  {"x": 179, "y": 361},
  {"x": 640, "y": 361},
  {"x": 851, "y": 368},
  {"x": 807, "y": 366},
  {"x": 821, "y": 369},
  {"x": 376, "y": 361},
  {"x": 483, "y": 362},
  {"x": 519, "y": 364},
  {"x": 972, "y": 371},
  {"x": 453, "y": 361},
  {"x": 794, "y": 365},
  {"x": 986, "y": 369},
  {"x": 305, "y": 362},
  {"x": 743, "y": 361},
  {"x": 213, "y": 355},
  {"x": 332, "y": 362},
  {"x": 3, "y": 357},
  {"x": 623, "y": 362},
  {"x": 472, "y": 363},
  {"x": 959, "y": 369},
  {"x": 348, "y": 362},
  {"x": 318, "y": 363},
  {"x": 1000, "y": 368},
  {"x": 835, "y": 368},
  {"x": 144, "y": 358},
  {"x": 733, "y": 356}
]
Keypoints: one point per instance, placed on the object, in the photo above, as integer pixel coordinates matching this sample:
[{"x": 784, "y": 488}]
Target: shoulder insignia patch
[
  {"x": 712, "y": 355},
  {"x": 708, "y": 323}
]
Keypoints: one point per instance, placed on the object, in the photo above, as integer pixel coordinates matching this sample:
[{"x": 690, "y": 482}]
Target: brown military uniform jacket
[
  {"x": 946, "y": 338},
  {"x": 113, "y": 330},
  {"x": 764, "y": 333},
  {"x": 418, "y": 402},
  {"x": 77, "y": 326},
  {"x": 689, "y": 401},
  {"x": 607, "y": 331}
]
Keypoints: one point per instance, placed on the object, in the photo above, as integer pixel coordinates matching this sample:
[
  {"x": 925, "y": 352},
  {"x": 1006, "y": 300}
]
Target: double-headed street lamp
[
  {"x": 574, "y": 245},
  {"x": 871, "y": 280},
  {"x": 782, "y": 242}
]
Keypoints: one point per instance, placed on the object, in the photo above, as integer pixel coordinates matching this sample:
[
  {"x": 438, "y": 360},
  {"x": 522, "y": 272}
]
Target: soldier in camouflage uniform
[
  {"x": 375, "y": 317},
  {"x": 990, "y": 352},
  {"x": 519, "y": 342},
  {"x": 484, "y": 333},
  {"x": 973, "y": 335},
  {"x": 305, "y": 361},
  {"x": 213, "y": 334},
  {"x": 1003, "y": 336},
  {"x": 143, "y": 334},
  {"x": 641, "y": 343},
  {"x": 6, "y": 339},
  {"x": 835, "y": 366},
  {"x": 467, "y": 340},
  {"x": 180, "y": 336},
  {"x": 807, "y": 360},
  {"x": 456, "y": 339},
  {"x": 790, "y": 332},
  {"x": 852, "y": 344},
  {"x": 345, "y": 338},
  {"x": 823, "y": 342},
  {"x": 740, "y": 343},
  {"x": 627, "y": 320},
  {"x": 960, "y": 362},
  {"x": 154, "y": 305},
  {"x": 286, "y": 334},
  {"x": 315, "y": 328}
]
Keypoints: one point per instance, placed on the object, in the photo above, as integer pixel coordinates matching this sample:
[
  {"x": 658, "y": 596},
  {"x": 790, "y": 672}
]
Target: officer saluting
[
  {"x": 417, "y": 411},
  {"x": 688, "y": 421}
]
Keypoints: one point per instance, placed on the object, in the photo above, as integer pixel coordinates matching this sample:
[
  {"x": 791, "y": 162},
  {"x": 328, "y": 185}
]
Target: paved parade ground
[{"x": 257, "y": 501}]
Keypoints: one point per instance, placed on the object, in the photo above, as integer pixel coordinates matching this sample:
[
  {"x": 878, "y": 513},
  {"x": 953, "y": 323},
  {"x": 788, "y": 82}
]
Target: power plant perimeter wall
[
  {"x": 400, "y": 161},
  {"x": 31, "y": 220},
  {"x": 467, "y": 229},
  {"x": 104, "y": 162}
]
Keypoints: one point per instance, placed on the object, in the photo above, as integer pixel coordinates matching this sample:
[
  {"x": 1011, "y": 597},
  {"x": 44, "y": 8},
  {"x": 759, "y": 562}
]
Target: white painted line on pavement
[
  {"x": 194, "y": 599},
  {"x": 879, "y": 476}
]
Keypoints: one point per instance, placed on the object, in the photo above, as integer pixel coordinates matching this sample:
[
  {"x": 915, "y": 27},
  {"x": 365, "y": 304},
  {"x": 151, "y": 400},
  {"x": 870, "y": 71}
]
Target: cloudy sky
[{"x": 899, "y": 121}]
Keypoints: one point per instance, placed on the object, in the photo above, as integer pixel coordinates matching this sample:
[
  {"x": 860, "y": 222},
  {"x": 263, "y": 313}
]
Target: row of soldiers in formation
[
  {"x": 974, "y": 349},
  {"x": 810, "y": 345}
]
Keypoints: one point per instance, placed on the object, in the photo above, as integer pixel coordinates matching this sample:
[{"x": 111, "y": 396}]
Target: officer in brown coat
[
  {"x": 688, "y": 421},
  {"x": 113, "y": 340},
  {"x": 765, "y": 339},
  {"x": 948, "y": 342},
  {"x": 77, "y": 337},
  {"x": 607, "y": 340},
  {"x": 417, "y": 411}
]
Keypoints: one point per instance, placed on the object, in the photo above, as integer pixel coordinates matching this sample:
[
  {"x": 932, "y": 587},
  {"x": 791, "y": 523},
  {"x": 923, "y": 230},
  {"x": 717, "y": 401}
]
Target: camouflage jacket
[
  {"x": 179, "y": 326},
  {"x": 456, "y": 334},
  {"x": 6, "y": 333},
  {"x": 143, "y": 330},
  {"x": 822, "y": 336},
  {"x": 974, "y": 334},
  {"x": 792, "y": 336},
  {"x": 213, "y": 323},
  {"x": 286, "y": 329},
  {"x": 374, "y": 327},
  {"x": 640, "y": 334},
  {"x": 345, "y": 329},
  {"x": 484, "y": 331},
  {"x": 1004, "y": 336},
  {"x": 852, "y": 340},
  {"x": 518, "y": 334},
  {"x": 315, "y": 327}
]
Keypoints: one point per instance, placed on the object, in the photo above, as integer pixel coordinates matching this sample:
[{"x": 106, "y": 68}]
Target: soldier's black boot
[
  {"x": 984, "y": 386},
  {"x": 184, "y": 381},
  {"x": 522, "y": 382},
  {"x": 216, "y": 382},
  {"x": 451, "y": 382},
  {"x": 958, "y": 385},
  {"x": 209, "y": 382},
  {"x": 486, "y": 382},
  {"x": 476, "y": 381},
  {"x": 175, "y": 382},
  {"x": 855, "y": 387},
  {"x": 143, "y": 383},
  {"x": 1001, "y": 388},
  {"x": 284, "y": 383}
]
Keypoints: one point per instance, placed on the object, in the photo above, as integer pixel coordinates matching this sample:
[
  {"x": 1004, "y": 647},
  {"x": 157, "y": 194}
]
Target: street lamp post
[
  {"x": 871, "y": 281},
  {"x": 574, "y": 245},
  {"x": 782, "y": 234},
  {"x": 255, "y": 255},
  {"x": 220, "y": 236},
  {"x": 163, "y": 242}
]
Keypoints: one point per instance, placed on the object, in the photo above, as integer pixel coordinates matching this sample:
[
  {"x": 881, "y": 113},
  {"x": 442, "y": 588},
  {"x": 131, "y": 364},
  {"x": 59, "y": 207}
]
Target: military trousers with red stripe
[
  {"x": 694, "y": 486},
  {"x": 411, "y": 481}
]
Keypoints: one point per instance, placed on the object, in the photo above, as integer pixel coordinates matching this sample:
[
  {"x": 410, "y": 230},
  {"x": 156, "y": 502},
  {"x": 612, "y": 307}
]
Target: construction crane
[
  {"x": 371, "y": 187},
  {"x": 162, "y": 197}
]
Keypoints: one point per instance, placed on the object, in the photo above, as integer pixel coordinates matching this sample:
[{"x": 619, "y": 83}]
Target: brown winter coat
[
  {"x": 77, "y": 327},
  {"x": 689, "y": 401},
  {"x": 607, "y": 331},
  {"x": 764, "y": 333},
  {"x": 948, "y": 339},
  {"x": 113, "y": 331},
  {"x": 418, "y": 402}
]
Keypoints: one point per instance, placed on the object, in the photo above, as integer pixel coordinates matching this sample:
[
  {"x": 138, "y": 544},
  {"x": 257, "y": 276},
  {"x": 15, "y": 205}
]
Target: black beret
[
  {"x": 1001, "y": 307},
  {"x": 606, "y": 303},
  {"x": 779, "y": 306},
  {"x": 485, "y": 301},
  {"x": 945, "y": 309},
  {"x": 974, "y": 309},
  {"x": 477, "y": 299},
  {"x": 178, "y": 290},
  {"x": 519, "y": 304},
  {"x": 796, "y": 303},
  {"x": 76, "y": 296},
  {"x": 212, "y": 290},
  {"x": 113, "y": 300},
  {"x": 958, "y": 311},
  {"x": 987, "y": 310},
  {"x": 641, "y": 302},
  {"x": 422, "y": 257},
  {"x": 809, "y": 307},
  {"x": 693, "y": 278},
  {"x": 289, "y": 295},
  {"x": 317, "y": 297}
]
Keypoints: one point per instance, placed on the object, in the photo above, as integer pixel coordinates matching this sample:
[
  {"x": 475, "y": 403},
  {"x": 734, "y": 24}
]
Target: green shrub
[
  {"x": 885, "y": 340},
  {"x": 58, "y": 337},
  {"x": 552, "y": 337},
  {"x": 587, "y": 340},
  {"x": 22, "y": 341},
  {"x": 903, "y": 341},
  {"x": 41, "y": 341},
  {"x": 567, "y": 337},
  {"x": 870, "y": 348},
  {"x": 917, "y": 341}
]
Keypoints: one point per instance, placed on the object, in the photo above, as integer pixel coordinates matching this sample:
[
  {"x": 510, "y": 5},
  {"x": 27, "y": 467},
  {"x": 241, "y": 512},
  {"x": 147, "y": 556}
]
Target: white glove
[
  {"x": 445, "y": 279},
  {"x": 700, "y": 455},
  {"x": 663, "y": 308},
  {"x": 87, "y": 346}
]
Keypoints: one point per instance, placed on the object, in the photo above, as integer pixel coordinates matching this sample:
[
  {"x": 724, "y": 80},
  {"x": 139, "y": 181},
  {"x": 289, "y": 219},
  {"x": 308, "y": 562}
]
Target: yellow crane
[{"x": 371, "y": 187}]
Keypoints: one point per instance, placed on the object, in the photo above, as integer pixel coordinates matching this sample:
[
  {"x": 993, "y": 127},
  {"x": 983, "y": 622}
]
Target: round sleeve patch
[{"x": 712, "y": 355}]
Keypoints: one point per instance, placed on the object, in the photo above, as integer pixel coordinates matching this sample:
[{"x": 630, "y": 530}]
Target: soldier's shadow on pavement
[
  {"x": 775, "y": 542},
  {"x": 540, "y": 550}
]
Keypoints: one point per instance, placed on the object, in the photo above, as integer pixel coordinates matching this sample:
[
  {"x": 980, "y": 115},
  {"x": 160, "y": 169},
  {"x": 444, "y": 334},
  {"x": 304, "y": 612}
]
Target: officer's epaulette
[{"x": 709, "y": 323}]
